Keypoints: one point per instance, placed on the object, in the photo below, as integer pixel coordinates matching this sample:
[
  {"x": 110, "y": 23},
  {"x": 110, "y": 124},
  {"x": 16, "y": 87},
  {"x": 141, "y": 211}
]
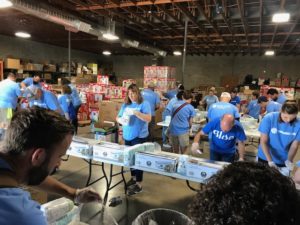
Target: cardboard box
[
  {"x": 156, "y": 161},
  {"x": 109, "y": 151},
  {"x": 12, "y": 63},
  {"x": 108, "y": 110}
]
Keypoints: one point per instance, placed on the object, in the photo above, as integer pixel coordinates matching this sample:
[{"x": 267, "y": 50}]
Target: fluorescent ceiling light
[
  {"x": 110, "y": 36},
  {"x": 5, "y": 3},
  {"x": 269, "y": 52},
  {"x": 176, "y": 53},
  {"x": 281, "y": 17},
  {"x": 22, "y": 34},
  {"x": 106, "y": 53}
]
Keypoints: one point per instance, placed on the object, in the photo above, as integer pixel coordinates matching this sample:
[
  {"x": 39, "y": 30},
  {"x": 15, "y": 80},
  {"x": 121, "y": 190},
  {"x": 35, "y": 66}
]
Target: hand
[
  {"x": 195, "y": 147},
  {"x": 86, "y": 195},
  {"x": 272, "y": 164},
  {"x": 136, "y": 112},
  {"x": 289, "y": 165},
  {"x": 241, "y": 159}
]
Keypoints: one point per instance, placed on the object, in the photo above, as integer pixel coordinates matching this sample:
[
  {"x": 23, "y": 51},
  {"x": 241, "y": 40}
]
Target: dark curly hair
[{"x": 247, "y": 193}]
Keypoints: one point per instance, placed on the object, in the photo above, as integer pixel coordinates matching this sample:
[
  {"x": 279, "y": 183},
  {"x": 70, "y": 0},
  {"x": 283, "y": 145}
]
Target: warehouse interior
[{"x": 202, "y": 44}]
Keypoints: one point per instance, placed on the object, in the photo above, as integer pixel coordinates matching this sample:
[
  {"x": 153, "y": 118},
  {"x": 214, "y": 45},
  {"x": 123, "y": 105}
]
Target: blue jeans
[
  {"x": 224, "y": 157},
  {"x": 138, "y": 174}
]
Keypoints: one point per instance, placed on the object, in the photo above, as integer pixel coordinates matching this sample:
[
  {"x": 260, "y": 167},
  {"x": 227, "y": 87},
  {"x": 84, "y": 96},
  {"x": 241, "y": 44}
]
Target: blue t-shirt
[
  {"x": 210, "y": 99},
  {"x": 281, "y": 99},
  {"x": 217, "y": 110},
  {"x": 9, "y": 93},
  {"x": 180, "y": 123},
  {"x": 29, "y": 81},
  {"x": 17, "y": 207},
  {"x": 273, "y": 107},
  {"x": 48, "y": 101},
  {"x": 151, "y": 97},
  {"x": 168, "y": 110},
  {"x": 254, "y": 109},
  {"x": 171, "y": 94},
  {"x": 280, "y": 134},
  {"x": 64, "y": 101},
  {"x": 224, "y": 142},
  {"x": 75, "y": 96},
  {"x": 136, "y": 127},
  {"x": 236, "y": 100}
]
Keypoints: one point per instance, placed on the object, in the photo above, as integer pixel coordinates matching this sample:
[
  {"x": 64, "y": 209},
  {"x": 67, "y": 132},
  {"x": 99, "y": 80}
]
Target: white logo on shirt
[
  {"x": 274, "y": 130},
  {"x": 220, "y": 135}
]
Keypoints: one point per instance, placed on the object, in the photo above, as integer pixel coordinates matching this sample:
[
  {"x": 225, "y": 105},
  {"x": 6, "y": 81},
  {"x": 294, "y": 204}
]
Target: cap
[
  {"x": 225, "y": 95},
  {"x": 262, "y": 99}
]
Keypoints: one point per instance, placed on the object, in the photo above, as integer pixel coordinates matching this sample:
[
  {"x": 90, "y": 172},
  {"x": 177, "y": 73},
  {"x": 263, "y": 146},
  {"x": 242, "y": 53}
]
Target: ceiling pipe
[{"x": 72, "y": 24}]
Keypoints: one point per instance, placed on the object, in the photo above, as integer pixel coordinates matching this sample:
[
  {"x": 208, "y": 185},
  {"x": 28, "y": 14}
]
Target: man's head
[
  {"x": 255, "y": 95},
  {"x": 11, "y": 76},
  {"x": 151, "y": 85},
  {"x": 187, "y": 96},
  {"x": 273, "y": 94},
  {"x": 225, "y": 97},
  {"x": 247, "y": 193},
  {"x": 289, "y": 111},
  {"x": 263, "y": 101},
  {"x": 36, "y": 79},
  {"x": 36, "y": 139},
  {"x": 233, "y": 93},
  {"x": 227, "y": 122}
]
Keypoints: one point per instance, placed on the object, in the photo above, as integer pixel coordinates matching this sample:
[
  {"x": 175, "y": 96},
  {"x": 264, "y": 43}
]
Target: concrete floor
[{"x": 158, "y": 191}]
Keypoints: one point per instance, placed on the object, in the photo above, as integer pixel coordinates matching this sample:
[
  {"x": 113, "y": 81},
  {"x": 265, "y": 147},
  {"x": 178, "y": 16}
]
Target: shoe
[
  {"x": 131, "y": 182},
  {"x": 167, "y": 145},
  {"x": 135, "y": 189}
]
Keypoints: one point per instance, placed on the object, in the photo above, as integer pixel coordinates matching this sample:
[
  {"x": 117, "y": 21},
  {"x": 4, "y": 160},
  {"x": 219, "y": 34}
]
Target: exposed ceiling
[{"x": 214, "y": 26}]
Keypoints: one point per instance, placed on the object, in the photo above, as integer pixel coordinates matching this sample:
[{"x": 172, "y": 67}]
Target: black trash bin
[{"x": 162, "y": 216}]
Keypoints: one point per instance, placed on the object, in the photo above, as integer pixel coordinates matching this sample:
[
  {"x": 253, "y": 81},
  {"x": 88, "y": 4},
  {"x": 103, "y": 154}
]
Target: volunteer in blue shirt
[
  {"x": 209, "y": 99},
  {"x": 35, "y": 80},
  {"x": 172, "y": 93},
  {"x": 167, "y": 112},
  {"x": 276, "y": 96},
  {"x": 153, "y": 99},
  {"x": 9, "y": 94},
  {"x": 45, "y": 99},
  {"x": 270, "y": 105},
  {"x": 75, "y": 100},
  {"x": 280, "y": 136},
  {"x": 217, "y": 110},
  {"x": 253, "y": 108},
  {"x": 181, "y": 122},
  {"x": 134, "y": 115},
  {"x": 34, "y": 143},
  {"x": 235, "y": 100},
  {"x": 225, "y": 133},
  {"x": 65, "y": 100}
]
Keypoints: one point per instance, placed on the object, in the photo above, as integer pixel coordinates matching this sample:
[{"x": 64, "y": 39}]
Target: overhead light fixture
[
  {"x": 281, "y": 17},
  {"x": 22, "y": 34},
  {"x": 110, "y": 36},
  {"x": 269, "y": 52},
  {"x": 5, "y": 3},
  {"x": 106, "y": 53},
  {"x": 177, "y": 53}
]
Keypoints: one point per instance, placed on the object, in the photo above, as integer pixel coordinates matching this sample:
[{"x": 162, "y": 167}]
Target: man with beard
[
  {"x": 35, "y": 81},
  {"x": 276, "y": 96},
  {"x": 34, "y": 143}
]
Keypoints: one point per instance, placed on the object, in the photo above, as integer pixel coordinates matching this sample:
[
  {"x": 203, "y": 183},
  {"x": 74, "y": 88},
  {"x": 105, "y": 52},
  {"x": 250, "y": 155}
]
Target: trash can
[{"x": 162, "y": 216}]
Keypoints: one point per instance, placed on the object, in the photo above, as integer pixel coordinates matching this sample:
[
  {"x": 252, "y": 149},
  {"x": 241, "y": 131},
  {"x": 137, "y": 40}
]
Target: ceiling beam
[
  {"x": 260, "y": 20},
  {"x": 293, "y": 26},
  {"x": 293, "y": 47},
  {"x": 130, "y": 4},
  {"x": 282, "y": 3},
  {"x": 240, "y": 4}
]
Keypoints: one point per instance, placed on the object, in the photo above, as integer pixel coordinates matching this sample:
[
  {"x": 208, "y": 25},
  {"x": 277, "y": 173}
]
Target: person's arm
[
  {"x": 84, "y": 195},
  {"x": 293, "y": 150},
  {"x": 241, "y": 150},
  {"x": 197, "y": 137},
  {"x": 264, "y": 145},
  {"x": 296, "y": 177},
  {"x": 142, "y": 116},
  {"x": 54, "y": 186}
]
